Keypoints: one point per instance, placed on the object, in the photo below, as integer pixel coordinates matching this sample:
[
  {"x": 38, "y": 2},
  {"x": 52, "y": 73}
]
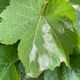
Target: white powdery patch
[
  {"x": 46, "y": 28},
  {"x": 33, "y": 53},
  {"x": 48, "y": 38},
  {"x": 61, "y": 30},
  {"x": 70, "y": 27},
  {"x": 49, "y": 46},
  {"x": 43, "y": 62}
]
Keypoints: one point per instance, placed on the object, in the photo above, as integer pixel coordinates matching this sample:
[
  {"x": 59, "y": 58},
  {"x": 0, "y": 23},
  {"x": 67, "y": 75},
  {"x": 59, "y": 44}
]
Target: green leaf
[
  {"x": 64, "y": 73},
  {"x": 78, "y": 20},
  {"x": 8, "y": 55},
  {"x": 77, "y": 14},
  {"x": 44, "y": 33},
  {"x": 3, "y": 4}
]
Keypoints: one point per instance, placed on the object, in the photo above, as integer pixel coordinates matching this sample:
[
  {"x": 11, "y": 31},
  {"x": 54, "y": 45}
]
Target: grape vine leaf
[
  {"x": 63, "y": 72},
  {"x": 3, "y": 4},
  {"x": 78, "y": 20},
  {"x": 77, "y": 14},
  {"x": 45, "y": 30},
  {"x": 8, "y": 55}
]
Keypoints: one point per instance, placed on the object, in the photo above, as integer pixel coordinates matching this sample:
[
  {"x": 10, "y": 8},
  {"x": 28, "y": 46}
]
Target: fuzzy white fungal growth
[
  {"x": 48, "y": 38},
  {"x": 33, "y": 53},
  {"x": 70, "y": 27},
  {"x": 49, "y": 46},
  {"x": 46, "y": 28},
  {"x": 43, "y": 62},
  {"x": 61, "y": 30}
]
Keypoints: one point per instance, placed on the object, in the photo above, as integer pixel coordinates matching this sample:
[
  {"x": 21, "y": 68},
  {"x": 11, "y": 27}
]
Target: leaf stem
[{"x": 44, "y": 7}]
